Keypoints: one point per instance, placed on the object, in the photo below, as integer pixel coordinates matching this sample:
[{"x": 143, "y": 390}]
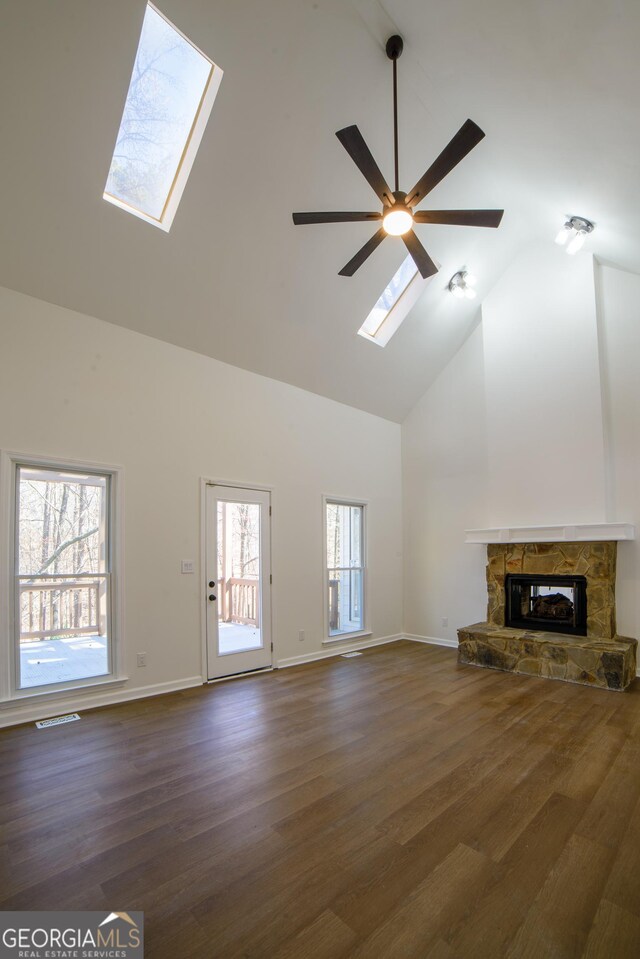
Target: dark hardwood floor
[{"x": 389, "y": 805}]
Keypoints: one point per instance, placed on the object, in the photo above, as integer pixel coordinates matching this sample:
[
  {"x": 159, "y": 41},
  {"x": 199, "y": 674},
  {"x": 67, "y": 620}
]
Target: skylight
[
  {"x": 171, "y": 93},
  {"x": 400, "y": 295}
]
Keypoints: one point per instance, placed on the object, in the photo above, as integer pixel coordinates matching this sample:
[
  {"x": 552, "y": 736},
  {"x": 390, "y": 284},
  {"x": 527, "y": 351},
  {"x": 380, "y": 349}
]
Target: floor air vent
[
  {"x": 350, "y": 655},
  {"x": 58, "y": 721}
]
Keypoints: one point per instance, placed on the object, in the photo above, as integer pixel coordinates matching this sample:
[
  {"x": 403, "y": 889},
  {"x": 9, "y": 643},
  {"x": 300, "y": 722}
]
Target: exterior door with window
[{"x": 238, "y": 571}]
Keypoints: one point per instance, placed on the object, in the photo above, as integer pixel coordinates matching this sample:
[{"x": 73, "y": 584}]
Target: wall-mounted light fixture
[
  {"x": 462, "y": 285},
  {"x": 574, "y": 233}
]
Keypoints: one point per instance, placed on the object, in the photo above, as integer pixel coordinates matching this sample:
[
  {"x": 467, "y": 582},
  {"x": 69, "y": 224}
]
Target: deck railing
[
  {"x": 240, "y": 601},
  {"x": 69, "y": 608}
]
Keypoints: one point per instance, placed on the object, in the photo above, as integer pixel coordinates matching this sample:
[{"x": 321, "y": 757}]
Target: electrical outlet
[
  {"x": 142, "y": 659},
  {"x": 186, "y": 566},
  {"x": 445, "y": 620},
  {"x": 301, "y": 636}
]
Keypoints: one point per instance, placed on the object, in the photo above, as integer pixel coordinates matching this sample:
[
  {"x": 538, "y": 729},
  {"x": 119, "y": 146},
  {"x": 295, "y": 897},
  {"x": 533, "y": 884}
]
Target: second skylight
[{"x": 387, "y": 314}]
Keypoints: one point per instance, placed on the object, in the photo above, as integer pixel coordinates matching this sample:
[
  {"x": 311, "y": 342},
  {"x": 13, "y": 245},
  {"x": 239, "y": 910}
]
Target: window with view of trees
[
  {"x": 171, "y": 93},
  {"x": 345, "y": 560},
  {"x": 62, "y": 576}
]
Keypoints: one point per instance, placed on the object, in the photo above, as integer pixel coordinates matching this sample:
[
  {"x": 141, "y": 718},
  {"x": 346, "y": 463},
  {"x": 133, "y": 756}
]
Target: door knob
[
  {"x": 212, "y": 597},
  {"x": 212, "y": 584}
]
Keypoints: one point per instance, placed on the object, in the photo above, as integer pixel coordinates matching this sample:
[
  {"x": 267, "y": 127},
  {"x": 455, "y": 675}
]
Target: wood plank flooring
[{"x": 390, "y": 806}]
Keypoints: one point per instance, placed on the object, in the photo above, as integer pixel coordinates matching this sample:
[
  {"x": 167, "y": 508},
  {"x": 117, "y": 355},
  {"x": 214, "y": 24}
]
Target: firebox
[{"x": 556, "y": 604}]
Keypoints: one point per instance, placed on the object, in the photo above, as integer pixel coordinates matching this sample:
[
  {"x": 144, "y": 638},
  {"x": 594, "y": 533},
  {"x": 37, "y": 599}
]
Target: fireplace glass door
[{"x": 555, "y": 604}]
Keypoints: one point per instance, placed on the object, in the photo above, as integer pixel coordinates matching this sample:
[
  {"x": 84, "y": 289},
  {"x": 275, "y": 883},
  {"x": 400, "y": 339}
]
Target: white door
[{"x": 238, "y": 593}]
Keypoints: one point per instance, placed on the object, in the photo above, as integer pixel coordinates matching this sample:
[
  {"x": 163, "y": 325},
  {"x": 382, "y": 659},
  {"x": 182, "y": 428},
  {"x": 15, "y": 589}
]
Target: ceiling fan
[{"x": 398, "y": 217}]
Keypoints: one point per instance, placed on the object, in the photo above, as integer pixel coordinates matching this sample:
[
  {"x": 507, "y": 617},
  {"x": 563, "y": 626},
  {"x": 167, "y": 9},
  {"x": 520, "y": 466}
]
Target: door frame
[{"x": 206, "y": 481}]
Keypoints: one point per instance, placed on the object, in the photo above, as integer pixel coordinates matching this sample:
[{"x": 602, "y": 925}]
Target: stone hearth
[
  {"x": 601, "y": 658},
  {"x": 610, "y": 664}
]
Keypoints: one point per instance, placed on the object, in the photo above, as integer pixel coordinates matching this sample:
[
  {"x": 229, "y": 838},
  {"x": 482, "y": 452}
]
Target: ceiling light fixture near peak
[
  {"x": 574, "y": 233},
  {"x": 461, "y": 285}
]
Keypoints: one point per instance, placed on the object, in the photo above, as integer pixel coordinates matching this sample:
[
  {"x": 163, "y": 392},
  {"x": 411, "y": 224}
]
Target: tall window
[
  {"x": 345, "y": 567},
  {"x": 62, "y": 576}
]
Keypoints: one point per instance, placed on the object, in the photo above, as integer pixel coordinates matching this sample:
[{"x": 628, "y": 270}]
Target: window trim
[
  {"x": 10, "y": 693},
  {"x": 191, "y": 146},
  {"x": 329, "y": 638}
]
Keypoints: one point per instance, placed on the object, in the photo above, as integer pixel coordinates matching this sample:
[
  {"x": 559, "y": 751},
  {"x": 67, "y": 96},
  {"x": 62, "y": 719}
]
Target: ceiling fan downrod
[{"x": 394, "y": 48}]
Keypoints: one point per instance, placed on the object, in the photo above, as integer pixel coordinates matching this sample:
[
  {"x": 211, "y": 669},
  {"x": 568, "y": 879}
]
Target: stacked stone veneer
[
  {"x": 595, "y": 561},
  {"x": 601, "y": 658}
]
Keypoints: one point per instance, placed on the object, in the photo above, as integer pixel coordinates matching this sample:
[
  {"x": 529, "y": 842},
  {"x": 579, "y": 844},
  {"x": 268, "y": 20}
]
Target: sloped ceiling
[{"x": 554, "y": 86}]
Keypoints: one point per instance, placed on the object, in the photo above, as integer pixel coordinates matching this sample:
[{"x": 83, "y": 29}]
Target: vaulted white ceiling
[{"x": 553, "y": 85}]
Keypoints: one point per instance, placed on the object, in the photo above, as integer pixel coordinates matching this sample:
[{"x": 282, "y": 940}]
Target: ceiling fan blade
[
  {"x": 421, "y": 258},
  {"x": 362, "y": 254},
  {"x": 299, "y": 218},
  {"x": 468, "y": 136},
  {"x": 460, "y": 217},
  {"x": 353, "y": 142}
]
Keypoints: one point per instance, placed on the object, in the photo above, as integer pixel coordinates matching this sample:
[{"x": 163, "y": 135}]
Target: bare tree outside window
[
  {"x": 62, "y": 562},
  {"x": 167, "y": 84},
  {"x": 238, "y": 562},
  {"x": 59, "y": 527}
]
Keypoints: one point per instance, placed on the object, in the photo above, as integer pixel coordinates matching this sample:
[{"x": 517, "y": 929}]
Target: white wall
[
  {"x": 72, "y": 386},
  {"x": 444, "y": 462},
  {"x": 619, "y": 309},
  {"x": 543, "y": 399},
  {"x": 551, "y": 333}
]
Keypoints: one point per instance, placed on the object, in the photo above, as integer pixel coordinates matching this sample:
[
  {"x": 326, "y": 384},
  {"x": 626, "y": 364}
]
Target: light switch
[{"x": 186, "y": 566}]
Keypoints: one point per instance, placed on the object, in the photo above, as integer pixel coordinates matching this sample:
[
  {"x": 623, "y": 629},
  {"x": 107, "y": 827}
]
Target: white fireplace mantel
[{"x": 576, "y": 533}]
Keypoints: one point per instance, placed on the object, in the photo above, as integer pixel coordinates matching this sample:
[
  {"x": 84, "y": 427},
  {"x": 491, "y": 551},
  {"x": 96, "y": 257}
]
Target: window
[
  {"x": 62, "y": 577},
  {"x": 171, "y": 93},
  {"x": 345, "y": 564},
  {"x": 393, "y": 305}
]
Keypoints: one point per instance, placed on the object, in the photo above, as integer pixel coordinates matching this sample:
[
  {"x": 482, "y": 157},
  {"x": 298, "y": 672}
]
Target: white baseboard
[
  {"x": 28, "y": 711},
  {"x": 346, "y": 648},
  {"x": 431, "y": 640}
]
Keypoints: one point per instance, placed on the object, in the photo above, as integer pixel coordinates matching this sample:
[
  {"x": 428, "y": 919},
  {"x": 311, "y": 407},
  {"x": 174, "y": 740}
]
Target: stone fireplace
[{"x": 551, "y": 613}]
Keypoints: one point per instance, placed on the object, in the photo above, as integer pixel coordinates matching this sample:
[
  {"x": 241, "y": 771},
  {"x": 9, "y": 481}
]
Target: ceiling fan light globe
[{"x": 397, "y": 221}]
